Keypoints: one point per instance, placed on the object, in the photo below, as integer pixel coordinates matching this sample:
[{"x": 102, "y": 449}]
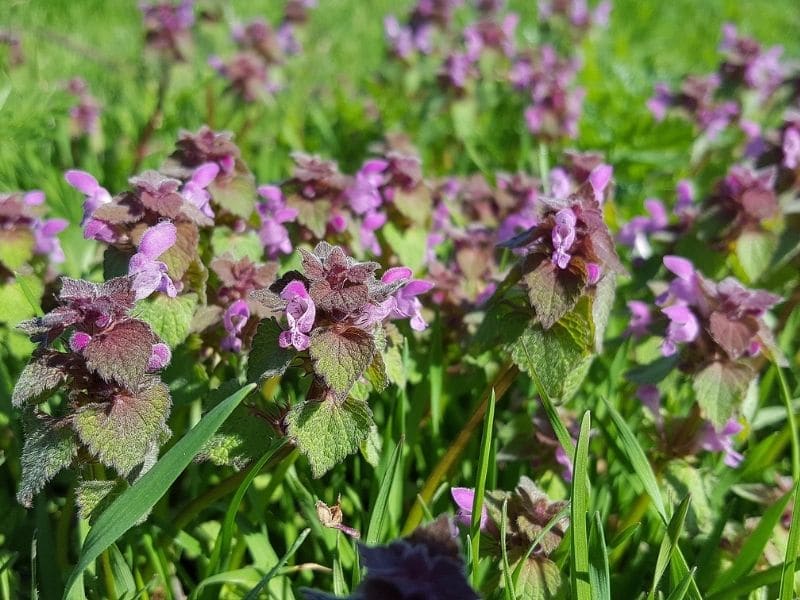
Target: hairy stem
[{"x": 500, "y": 384}]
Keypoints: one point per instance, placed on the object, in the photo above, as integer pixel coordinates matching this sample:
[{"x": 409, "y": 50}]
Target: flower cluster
[
  {"x": 113, "y": 403},
  {"x": 252, "y": 72},
  {"x": 85, "y": 115},
  {"x": 168, "y": 27},
  {"x": 24, "y": 233}
]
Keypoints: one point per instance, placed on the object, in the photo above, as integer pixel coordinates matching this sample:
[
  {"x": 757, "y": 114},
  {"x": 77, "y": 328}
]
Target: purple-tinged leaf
[
  {"x": 341, "y": 357},
  {"x": 40, "y": 378},
  {"x": 733, "y": 335},
  {"x": 49, "y": 447},
  {"x": 552, "y": 291},
  {"x": 122, "y": 353}
]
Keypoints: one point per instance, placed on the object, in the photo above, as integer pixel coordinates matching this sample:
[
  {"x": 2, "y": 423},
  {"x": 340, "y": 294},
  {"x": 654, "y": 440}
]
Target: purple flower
[
  {"x": 78, "y": 341},
  {"x": 195, "y": 190},
  {"x": 566, "y": 462},
  {"x": 640, "y": 319},
  {"x": 159, "y": 358},
  {"x": 684, "y": 205},
  {"x": 636, "y": 231},
  {"x": 650, "y": 396},
  {"x": 149, "y": 274},
  {"x": 234, "y": 320},
  {"x": 683, "y": 327},
  {"x": 560, "y": 185},
  {"x": 95, "y": 197},
  {"x": 722, "y": 441},
  {"x": 456, "y": 70},
  {"x": 464, "y": 499},
  {"x": 661, "y": 101},
  {"x": 791, "y": 148},
  {"x": 563, "y": 236},
  {"x": 404, "y": 304},
  {"x": 365, "y": 194},
  {"x": 300, "y": 314},
  {"x": 599, "y": 179},
  {"x": 372, "y": 222},
  {"x": 47, "y": 243},
  {"x": 274, "y": 213}
]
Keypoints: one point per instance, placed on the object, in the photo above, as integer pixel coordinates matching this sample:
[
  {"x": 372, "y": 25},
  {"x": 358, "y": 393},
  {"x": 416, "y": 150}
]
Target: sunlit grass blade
[
  {"x": 123, "y": 577},
  {"x": 629, "y": 446},
  {"x": 599, "y": 575},
  {"x": 624, "y": 535},
  {"x": 752, "y": 582},
  {"x": 787, "y": 399},
  {"x": 792, "y": 549},
  {"x": 480, "y": 487},
  {"x": 579, "y": 573},
  {"x": 222, "y": 545},
  {"x": 680, "y": 591},
  {"x": 753, "y": 547},
  {"x": 669, "y": 543},
  {"x": 377, "y": 517},
  {"x": 246, "y": 578},
  {"x": 436, "y": 375},
  {"x": 136, "y": 501},
  {"x": 253, "y": 594},
  {"x": 509, "y": 590}
]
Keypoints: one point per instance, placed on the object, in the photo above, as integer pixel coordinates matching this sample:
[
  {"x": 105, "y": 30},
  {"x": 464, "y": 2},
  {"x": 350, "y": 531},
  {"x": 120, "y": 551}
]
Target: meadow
[{"x": 443, "y": 299}]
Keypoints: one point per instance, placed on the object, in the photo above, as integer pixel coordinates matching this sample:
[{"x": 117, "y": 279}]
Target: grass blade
[
  {"x": 792, "y": 548},
  {"x": 599, "y": 575},
  {"x": 679, "y": 593},
  {"x": 753, "y": 547},
  {"x": 137, "y": 500},
  {"x": 787, "y": 399},
  {"x": 509, "y": 589},
  {"x": 480, "y": 487},
  {"x": 579, "y": 574},
  {"x": 222, "y": 546},
  {"x": 562, "y": 514},
  {"x": 669, "y": 543},
  {"x": 380, "y": 508},
  {"x": 253, "y": 594}
]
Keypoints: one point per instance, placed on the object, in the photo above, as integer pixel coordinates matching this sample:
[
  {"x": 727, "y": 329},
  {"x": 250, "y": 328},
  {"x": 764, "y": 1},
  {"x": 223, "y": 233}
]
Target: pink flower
[
  {"x": 722, "y": 441},
  {"x": 300, "y": 314},
  {"x": 640, "y": 319},
  {"x": 195, "y": 190},
  {"x": 563, "y": 236},
  {"x": 566, "y": 462},
  {"x": 274, "y": 213},
  {"x": 95, "y": 197},
  {"x": 791, "y": 148},
  {"x": 150, "y": 275},
  {"x": 364, "y": 194},
  {"x": 464, "y": 499},
  {"x": 404, "y": 304},
  {"x": 47, "y": 242},
  {"x": 160, "y": 357},
  {"x": 372, "y": 222},
  {"x": 234, "y": 320},
  {"x": 683, "y": 327}
]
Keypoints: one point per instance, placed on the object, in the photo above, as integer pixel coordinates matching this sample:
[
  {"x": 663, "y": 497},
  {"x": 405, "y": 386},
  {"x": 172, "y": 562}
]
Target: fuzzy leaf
[
  {"x": 602, "y": 303},
  {"x": 719, "y": 388},
  {"x": 184, "y": 252},
  {"x": 92, "y": 497},
  {"x": 16, "y": 247},
  {"x": 312, "y": 215},
  {"x": 409, "y": 245},
  {"x": 755, "y": 249},
  {"x": 267, "y": 359},
  {"x": 552, "y": 291},
  {"x": 327, "y": 432},
  {"x": 376, "y": 373},
  {"x": 559, "y": 356},
  {"x": 170, "y": 318},
  {"x": 236, "y": 194},
  {"x": 243, "y": 438},
  {"x": 40, "y": 378},
  {"x": 733, "y": 335},
  {"x": 122, "y": 353},
  {"x": 539, "y": 579},
  {"x": 341, "y": 357},
  {"x": 122, "y": 432},
  {"x": 47, "y": 450}
]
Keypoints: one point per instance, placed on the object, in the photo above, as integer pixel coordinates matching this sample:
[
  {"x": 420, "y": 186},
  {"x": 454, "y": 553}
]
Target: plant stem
[
  {"x": 787, "y": 398},
  {"x": 108, "y": 576},
  {"x": 500, "y": 385},
  {"x": 154, "y": 121}
]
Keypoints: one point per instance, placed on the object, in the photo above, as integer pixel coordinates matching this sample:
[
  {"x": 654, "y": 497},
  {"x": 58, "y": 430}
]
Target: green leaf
[
  {"x": 602, "y": 303},
  {"x": 341, "y": 357},
  {"x": 552, "y": 292},
  {"x": 46, "y": 451},
  {"x": 792, "y": 549},
  {"x": 754, "y": 251},
  {"x": 236, "y": 194},
  {"x": 243, "y": 438},
  {"x": 92, "y": 496},
  {"x": 267, "y": 359},
  {"x": 16, "y": 247},
  {"x": 509, "y": 592},
  {"x": 313, "y": 215},
  {"x": 719, "y": 388},
  {"x": 599, "y": 577},
  {"x": 579, "y": 549},
  {"x": 244, "y": 245},
  {"x": 380, "y": 509},
  {"x": 15, "y": 301},
  {"x": 170, "y": 318},
  {"x": 669, "y": 543},
  {"x": 539, "y": 579},
  {"x": 327, "y": 432},
  {"x": 653, "y": 372},
  {"x": 137, "y": 501},
  {"x": 409, "y": 245},
  {"x": 123, "y": 431},
  {"x": 753, "y": 547},
  {"x": 40, "y": 378},
  {"x": 561, "y": 355},
  {"x": 123, "y": 578}
]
